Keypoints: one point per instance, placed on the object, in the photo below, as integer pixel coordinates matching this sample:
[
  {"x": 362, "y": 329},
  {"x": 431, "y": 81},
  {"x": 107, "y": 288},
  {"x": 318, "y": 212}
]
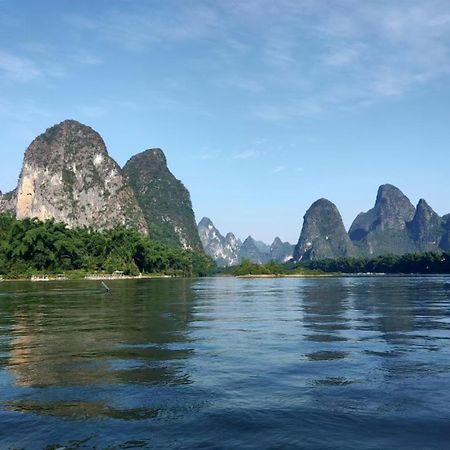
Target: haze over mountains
[
  {"x": 392, "y": 226},
  {"x": 229, "y": 251},
  {"x": 67, "y": 175}
]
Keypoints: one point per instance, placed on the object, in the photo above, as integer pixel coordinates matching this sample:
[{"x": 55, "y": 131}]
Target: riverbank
[{"x": 92, "y": 277}]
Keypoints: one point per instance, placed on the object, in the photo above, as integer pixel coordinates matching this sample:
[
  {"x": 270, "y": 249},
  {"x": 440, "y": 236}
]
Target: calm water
[{"x": 351, "y": 363}]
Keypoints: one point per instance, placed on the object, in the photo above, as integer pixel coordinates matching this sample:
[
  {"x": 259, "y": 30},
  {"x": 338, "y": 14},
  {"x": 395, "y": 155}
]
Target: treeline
[
  {"x": 246, "y": 267},
  {"x": 30, "y": 246},
  {"x": 421, "y": 263},
  {"x": 417, "y": 263}
]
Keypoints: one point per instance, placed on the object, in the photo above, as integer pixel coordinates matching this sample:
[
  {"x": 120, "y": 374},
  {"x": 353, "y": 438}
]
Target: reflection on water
[{"x": 357, "y": 363}]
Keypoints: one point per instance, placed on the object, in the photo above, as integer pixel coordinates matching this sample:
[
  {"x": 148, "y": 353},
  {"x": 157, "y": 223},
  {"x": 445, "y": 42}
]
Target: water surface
[{"x": 324, "y": 363}]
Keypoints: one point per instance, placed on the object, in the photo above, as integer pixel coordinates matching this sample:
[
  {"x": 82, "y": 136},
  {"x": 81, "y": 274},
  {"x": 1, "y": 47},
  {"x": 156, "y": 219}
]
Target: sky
[{"x": 261, "y": 106}]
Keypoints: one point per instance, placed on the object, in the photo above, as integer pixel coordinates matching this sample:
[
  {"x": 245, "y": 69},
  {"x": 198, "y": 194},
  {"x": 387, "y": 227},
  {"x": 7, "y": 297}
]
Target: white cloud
[
  {"x": 210, "y": 155},
  {"x": 18, "y": 68},
  {"x": 279, "y": 169},
  {"x": 342, "y": 57},
  {"x": 87, "y": 58},
  {"x": 293, "y": 54},
  {"x": 248, "y": 154}
]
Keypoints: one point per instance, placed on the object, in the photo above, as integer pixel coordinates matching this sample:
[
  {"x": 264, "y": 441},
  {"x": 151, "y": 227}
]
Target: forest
[
  {"x": 29, "y": 247},
  {"x": 410, "y": 263}
]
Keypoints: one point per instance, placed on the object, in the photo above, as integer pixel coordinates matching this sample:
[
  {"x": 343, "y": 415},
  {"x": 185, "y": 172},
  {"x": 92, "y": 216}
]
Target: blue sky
[{"x": 261, "y": 106}]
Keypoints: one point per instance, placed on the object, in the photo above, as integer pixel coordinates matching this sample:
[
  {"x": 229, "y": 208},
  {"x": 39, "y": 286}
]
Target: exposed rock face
[
  {"x": 67, "y": 175},
  {"x": 165, "y": 201},
  {"x": 426, "y": 229},
  {"x": 233, "y": 244},
  {"x": 229, "y": 251},
  {"x": 445, "y": 240},
  {"x": 383, "y": 229},
  {"x": 8, "y": 202},
  {"x": 254, "y": 251},
  {"x": 323, "y": 234},
  {"x": 223, "y": 250},
  {"x": 281, "y": 251}
]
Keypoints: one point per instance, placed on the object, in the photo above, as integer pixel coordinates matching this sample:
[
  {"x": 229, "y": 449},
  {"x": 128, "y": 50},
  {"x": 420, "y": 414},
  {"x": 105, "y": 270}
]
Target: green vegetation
[
  {"x": 164, "y": 200},
  {"x": 246, "y": 267},
  {"x": 418, "y": 263},
  {"x": 29, "y": 247},
  {"x": 422, "y": 263}
]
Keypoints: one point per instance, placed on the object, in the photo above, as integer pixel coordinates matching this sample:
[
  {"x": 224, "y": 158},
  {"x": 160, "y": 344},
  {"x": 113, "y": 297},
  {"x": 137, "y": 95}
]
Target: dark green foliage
[
  {"x": 30, "y": 246},
  {"x": 421, "y": 263},
  {"x": 164, "y": 200},
  {"x": 247, "y": 267}
]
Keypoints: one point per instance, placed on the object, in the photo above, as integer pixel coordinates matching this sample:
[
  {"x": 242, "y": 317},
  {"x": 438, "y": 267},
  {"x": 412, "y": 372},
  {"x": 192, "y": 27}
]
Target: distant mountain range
[
  {"x": 228, "y": 250},
  {"x": 67, "y": 175},
  {"x": 392, "y": 226}
]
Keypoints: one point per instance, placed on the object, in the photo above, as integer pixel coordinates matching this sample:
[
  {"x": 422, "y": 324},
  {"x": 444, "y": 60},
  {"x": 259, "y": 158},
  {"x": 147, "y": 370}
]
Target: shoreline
[
  {"x": 51, "y": 278},
  {"x": 260, "y": 276}
]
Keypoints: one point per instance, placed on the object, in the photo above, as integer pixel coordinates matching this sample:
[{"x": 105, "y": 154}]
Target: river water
[{"x": 219, "y": 363}]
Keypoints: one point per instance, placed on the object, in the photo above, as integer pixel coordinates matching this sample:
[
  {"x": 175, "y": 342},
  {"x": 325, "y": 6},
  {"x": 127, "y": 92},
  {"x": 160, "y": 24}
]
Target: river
[{"x": 220, "y": 363}]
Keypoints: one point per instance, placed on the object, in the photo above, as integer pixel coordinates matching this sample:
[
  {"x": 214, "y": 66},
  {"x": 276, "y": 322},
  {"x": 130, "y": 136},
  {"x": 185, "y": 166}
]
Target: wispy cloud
[
  {"x": 210, "y": 155},
  {"x": 87, "y": 58},
  {"x": 137, "y": 28},
  {"x": 18, "y": 68},
  {"x": 342, "y": 57},
  {"x": 248, "y": 154},
  {"x": 316, "y": 56},
  {"x": 279, "y": 169}
]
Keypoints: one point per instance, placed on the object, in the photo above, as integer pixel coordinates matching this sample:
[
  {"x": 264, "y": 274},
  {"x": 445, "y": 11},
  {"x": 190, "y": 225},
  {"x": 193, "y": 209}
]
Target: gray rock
[
  {"x": 426, "y": 229},
  {"x": 323, "y": 234},
  {"x": 445, "y": 240},
  {"x": 254, "y": 251},
  {"x": 383, "y": 229},
  {"x": 281, "y": 251},
  {"x": 8, "y": 202},
  {"x": 67, "y": 175},
  {"x": 164, "y": 200},
  {"x": 223, "y": 250}
]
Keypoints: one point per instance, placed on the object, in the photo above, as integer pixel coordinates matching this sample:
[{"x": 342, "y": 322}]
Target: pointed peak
[
  {"x": 206, "y": 221},
  {"x": 277, "y": 241},
  {"x": 249, "y": 240},
  {"x": 423, "y": 205},
  {"x": 389, "y": 191},
  {"x": 424, "y": 209}
]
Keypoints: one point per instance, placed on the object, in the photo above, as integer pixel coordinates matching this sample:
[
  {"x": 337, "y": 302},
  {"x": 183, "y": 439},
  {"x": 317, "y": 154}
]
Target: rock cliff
[
  {"x": 383, "y": 229},
  {"x": 254, "y": 251},
  {"x": 8, "y": 203},
  {"x": 426, "y": 229},
  {"x": 223, "y": 250},
  {"x": 67, "y": 175},
  {"x": 323, "y": 234},
  {"x": 281, "y": 251},
  {"x": 164, "y": 200}
]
